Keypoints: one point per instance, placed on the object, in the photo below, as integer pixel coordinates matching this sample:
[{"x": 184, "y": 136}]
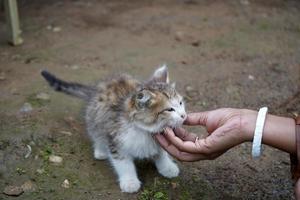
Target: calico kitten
[{"x": 121, "y": 116}]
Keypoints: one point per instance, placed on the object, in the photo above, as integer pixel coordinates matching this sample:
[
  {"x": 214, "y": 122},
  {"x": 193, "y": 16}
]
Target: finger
[
  {"x": 162, "y": 140},
  {"x": 197, "y": 118},
  {"x": 176, "y": 153},
  {"x": 186, "y": 146},
  {"x": 184, "y": 156},
  {"x": 218, "y": 141},
  {"x": 185, "y": 135}
]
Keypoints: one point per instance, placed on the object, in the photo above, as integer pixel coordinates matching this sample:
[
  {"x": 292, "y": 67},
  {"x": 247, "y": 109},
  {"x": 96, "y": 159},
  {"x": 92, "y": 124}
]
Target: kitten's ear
[
  {"x": 161, "y": 75},
  {"x": 143, "y": 98}
]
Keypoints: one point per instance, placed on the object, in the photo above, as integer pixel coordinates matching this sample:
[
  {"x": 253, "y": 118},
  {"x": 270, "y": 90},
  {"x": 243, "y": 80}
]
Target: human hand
[{"x": 226, "y": 127}]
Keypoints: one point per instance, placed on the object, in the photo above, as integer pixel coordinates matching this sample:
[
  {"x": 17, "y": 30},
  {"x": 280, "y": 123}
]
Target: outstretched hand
[{"x": 226, "y": 128}]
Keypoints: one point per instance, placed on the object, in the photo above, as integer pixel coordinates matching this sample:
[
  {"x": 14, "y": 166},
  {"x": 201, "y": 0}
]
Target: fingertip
[
  {"x": 199, "y": 118},
  {"x": 161, "y": 140},
  {"x": 168, "y": 132},
  {"x": 168, "y": 129}
]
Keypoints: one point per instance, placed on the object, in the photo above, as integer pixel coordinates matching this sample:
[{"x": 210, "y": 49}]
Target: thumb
[{"x": 199, "y": 118}]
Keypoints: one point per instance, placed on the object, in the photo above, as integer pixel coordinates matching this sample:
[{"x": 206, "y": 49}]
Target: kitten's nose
[{"x": 183, "y": 116}]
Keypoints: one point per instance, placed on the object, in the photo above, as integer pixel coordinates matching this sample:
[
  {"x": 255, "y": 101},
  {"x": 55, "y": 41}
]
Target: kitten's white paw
[
  {"x": 130, "y": 185},
  {"x": 100, "y": 155},
  {"x": 170, "y": 170}
]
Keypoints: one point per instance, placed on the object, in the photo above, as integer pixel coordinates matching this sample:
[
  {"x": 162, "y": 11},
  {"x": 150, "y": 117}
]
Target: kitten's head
[{"x": 157, "y": 104}]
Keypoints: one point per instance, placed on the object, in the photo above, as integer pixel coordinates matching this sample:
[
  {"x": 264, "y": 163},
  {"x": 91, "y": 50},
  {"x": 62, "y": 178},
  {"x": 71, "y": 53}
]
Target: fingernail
[{"x": 167, "y": 129}]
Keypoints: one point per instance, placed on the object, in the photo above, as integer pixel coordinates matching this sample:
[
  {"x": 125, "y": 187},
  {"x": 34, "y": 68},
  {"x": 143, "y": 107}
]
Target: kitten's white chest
[{"x": 139, "y": 144}]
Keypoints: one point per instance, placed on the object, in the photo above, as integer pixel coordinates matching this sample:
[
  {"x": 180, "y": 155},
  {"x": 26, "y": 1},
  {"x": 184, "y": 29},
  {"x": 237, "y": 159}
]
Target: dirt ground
[{"x": 238, "y": 53}]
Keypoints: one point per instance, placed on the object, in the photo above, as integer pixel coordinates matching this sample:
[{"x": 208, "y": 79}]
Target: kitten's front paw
[
  {"x": 100, "y": 155},
  {"x": 170, "y": 170},
  {"x": 130, "y": 185}
]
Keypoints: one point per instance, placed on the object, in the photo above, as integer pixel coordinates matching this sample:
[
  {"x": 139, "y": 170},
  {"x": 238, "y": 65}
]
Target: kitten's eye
[
  {"x": 170, "y": 109},
  {"x": 180, "y": 103}
]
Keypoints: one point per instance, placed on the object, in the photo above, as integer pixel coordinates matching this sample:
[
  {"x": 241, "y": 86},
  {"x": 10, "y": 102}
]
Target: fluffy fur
[{"x": 121, "y": 116}]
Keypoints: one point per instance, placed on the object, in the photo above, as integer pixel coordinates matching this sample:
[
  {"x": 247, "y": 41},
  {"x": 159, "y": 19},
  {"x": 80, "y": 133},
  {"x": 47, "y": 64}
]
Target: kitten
[{"x": 122, "y": 115}]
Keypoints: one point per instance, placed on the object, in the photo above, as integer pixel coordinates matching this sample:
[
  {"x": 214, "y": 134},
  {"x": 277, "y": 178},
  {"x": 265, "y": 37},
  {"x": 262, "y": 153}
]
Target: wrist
[
  {"x": 278, "y": 132},
  {"x": 248, "y": 122}
]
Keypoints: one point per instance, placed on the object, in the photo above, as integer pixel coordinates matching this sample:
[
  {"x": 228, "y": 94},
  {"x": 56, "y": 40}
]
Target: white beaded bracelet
[{"x": 260, "y": 122}]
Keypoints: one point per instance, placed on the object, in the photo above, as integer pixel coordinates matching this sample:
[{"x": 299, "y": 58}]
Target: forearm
[{"x": 279, "y": 132}]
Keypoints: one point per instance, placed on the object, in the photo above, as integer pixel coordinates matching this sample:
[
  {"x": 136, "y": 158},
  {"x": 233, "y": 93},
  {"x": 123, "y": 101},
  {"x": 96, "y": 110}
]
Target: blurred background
[{"x": 235, "y": 53}]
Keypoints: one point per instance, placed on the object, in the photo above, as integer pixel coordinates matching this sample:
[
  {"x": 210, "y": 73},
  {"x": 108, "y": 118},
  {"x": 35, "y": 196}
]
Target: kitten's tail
[{"x": 74, "y": 89}]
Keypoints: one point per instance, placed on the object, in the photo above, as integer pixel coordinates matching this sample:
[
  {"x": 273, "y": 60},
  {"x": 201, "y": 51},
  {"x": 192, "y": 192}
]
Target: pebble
[
  {"x": 56, "y": 29},
  {"x": 74, "y": 67},
  {"x": 55, "y": 159},
  {"x": 251, "y": 77},
  {"x": 2, "y": 76},
  {"x": 13, "y": 190},
  {"x": 27, "y": 107},
  {"x": 49, "y": 27},
  {"x": 245, "y": 2},
  {"x": 66, "y": 133},
  {"x": 191, "y": 92},
  {"x": 40, "y": 171},
  {"x": 189, "y": 88},
  {"x": 65, "y": 184},
  {"x": 28, "y": 186},
  {"x": 43, "y": 96},
  {"x": 179, "y": 35},
  {"x": 29, "y": 151}
]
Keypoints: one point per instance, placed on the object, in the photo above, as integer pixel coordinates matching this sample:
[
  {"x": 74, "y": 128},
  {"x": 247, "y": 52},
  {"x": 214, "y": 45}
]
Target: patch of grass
[
  {"x": 20, "y": 170},
  {"x": 149, "y": 194},
  {"x": 164, "y": 189},
  {"x": 46, "y": 152}
]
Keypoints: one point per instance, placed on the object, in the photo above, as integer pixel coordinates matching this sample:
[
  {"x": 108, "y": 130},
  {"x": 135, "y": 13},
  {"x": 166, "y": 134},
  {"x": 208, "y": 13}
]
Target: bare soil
[{"x": 243, "y": 54}]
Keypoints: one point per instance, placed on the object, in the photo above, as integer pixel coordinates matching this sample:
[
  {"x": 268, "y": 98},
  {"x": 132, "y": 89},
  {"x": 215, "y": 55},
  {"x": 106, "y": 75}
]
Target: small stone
[
  {"x": 2, "y": 76},
  {"x": 66, "y": 133},
  {"x": 179, "y": 36},
  {"x": 40, "y": 171},
  {"x": 245, "y": 2},
  {"x": 28, "y": 152},
  {"x": 49, "y": 27},
  {"x": 251, "y": 77},
  {"x": 65, "y": 184},
  {"x": 43, "y": 96},
  {"x": 14, "y": 91},
  {"x": 189, "y": 88},
  {"x": 26, "y": 108},
  {"x": 55, "y": 159},
  {"x": 13, "y": 190},
  {"x": 56, "y": 29},
  {"x": 74, "y": 67},
  {"x": 191, "y": 92},
  {"x": 28, "y": 186}
]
